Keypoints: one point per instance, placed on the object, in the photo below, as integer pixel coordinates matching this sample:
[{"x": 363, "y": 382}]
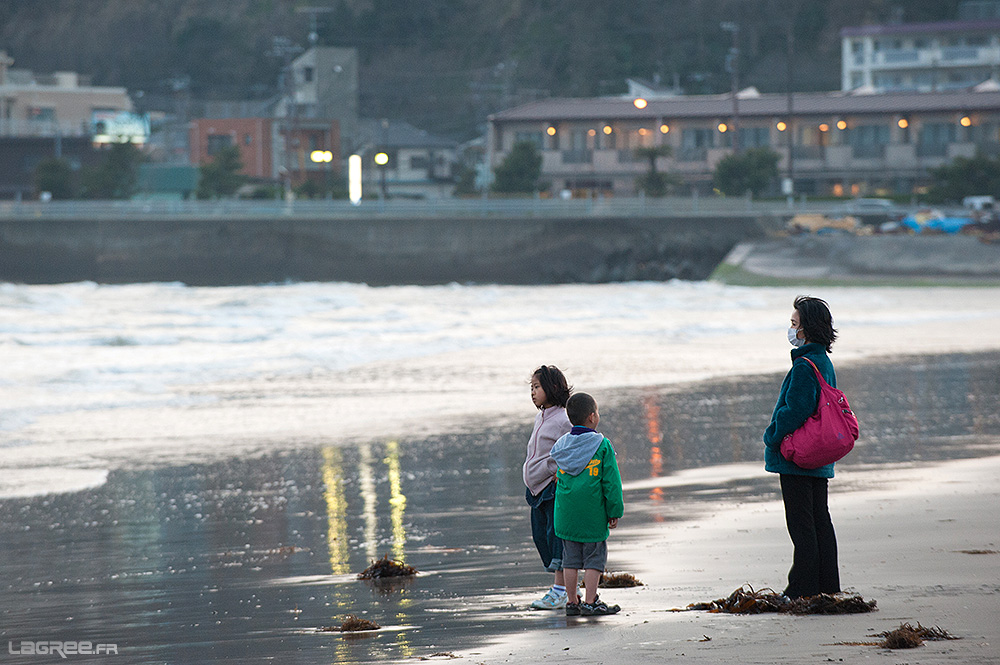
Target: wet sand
[
  {"x": 922, "y": 540},
  {"x": 245, "y": 559}
]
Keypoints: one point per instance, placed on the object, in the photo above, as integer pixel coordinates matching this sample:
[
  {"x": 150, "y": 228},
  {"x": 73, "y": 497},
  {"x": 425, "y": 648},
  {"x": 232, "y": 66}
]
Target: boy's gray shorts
[{"x": 585, "y": 555}]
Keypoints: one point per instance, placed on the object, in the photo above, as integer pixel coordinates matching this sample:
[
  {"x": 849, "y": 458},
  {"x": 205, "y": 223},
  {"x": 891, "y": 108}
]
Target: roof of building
[
  {"x": 988, "y": 25},
  {"x": 399, "y": 134},
  {"x": 769, "y": 105}
]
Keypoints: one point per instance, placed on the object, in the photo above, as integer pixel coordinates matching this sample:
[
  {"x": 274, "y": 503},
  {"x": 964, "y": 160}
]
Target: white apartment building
[{"x": 921, "y": 57}]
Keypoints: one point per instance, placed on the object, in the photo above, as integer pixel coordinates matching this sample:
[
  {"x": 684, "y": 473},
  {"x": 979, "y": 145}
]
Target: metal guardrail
[{"x": 237, "y": 210}]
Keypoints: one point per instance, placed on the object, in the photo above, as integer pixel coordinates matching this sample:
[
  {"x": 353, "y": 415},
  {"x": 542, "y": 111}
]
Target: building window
[
  {"x": 419, "y": 162},
  {"x": 934, "y": 137},
  {"x": 755, "y": 137},
  {"x": 247, "y": 139},
  {"x": 531, "y": 137},
  {"x": 41, "y": 114},
  {"x": 868, "y": 140},
  {"x": 308, "y": 74},
  {"x": 218, "y": 142}
]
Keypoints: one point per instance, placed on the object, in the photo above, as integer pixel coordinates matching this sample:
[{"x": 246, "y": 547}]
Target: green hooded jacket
[{"x": 586, "y": 501}]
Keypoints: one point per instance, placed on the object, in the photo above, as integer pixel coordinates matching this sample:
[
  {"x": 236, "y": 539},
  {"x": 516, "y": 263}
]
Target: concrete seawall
[
  {"x": 375, "y": 251},
  {"x": 848, "y": 258}
]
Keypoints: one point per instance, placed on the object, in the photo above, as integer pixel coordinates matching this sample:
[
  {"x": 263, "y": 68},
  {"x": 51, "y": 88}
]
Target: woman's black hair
[
  {"x": 816, "y": 321},
  {"x": 553, "y": 383}
]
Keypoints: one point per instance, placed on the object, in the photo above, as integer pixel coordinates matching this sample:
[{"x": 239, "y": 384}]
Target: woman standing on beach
[
  {"x": 804, "y": 491},
  {"x": 549, "y": 394}
]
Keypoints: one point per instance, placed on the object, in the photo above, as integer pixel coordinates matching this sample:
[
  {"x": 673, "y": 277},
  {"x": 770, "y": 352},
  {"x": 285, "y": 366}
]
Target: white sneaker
[{"x": 552, "y": 600}]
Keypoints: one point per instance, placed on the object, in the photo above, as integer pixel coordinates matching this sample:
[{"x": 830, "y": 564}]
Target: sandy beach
[{"x": 912, "y": 539}]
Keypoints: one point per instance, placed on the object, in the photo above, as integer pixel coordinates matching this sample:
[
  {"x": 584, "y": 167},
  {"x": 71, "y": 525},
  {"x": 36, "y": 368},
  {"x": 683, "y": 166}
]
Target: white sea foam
[{"x": 120, "y": 374}]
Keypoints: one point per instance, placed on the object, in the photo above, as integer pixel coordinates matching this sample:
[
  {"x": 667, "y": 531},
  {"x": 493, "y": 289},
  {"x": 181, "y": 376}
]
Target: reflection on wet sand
[
  {"x": 168, "y": 560},
  {"x": 336, "y": 511}
]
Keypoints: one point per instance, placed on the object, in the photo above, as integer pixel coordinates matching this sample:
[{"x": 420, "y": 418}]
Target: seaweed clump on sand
[
  {"x": 825, "y": 603},
  {"x": 746, "y": 600},
  {"x": 386, "y": 568},
  {"x": 617, "y": 581},
  {"x": 351, "y": 624},
  {"x": 909, "y": 637}
]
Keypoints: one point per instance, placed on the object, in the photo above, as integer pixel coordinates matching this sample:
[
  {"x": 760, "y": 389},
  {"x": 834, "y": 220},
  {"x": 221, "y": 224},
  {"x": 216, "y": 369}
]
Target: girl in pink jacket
[{"x": 549, "y": 392}]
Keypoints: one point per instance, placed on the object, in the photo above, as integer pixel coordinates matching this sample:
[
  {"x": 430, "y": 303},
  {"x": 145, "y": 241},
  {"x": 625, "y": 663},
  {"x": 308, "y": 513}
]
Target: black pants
[{"x": 814, "y": 564}]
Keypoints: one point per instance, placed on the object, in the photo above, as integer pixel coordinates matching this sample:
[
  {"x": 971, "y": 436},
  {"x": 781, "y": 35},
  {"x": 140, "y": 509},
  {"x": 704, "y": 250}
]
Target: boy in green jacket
[{"x": 588, "y": 503}]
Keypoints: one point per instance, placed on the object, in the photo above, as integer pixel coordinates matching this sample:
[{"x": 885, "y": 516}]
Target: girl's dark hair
[
  {"x": 553, "y": 383},
  {"x": 816, "y": 321}
]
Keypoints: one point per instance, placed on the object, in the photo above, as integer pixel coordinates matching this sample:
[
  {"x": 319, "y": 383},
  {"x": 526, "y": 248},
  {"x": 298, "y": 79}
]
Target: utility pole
[
  {"x": 313, "y": 13},
  {"x": 733, "y": 67},
  {"x": 790, "y": 186}
]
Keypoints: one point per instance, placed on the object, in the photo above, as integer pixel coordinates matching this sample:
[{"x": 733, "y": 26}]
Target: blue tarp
[{"x": 940, "y": 224}]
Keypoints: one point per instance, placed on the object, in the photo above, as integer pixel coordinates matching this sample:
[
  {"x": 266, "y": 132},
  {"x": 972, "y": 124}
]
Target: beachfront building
[
  {"x": 830, "y": 144},
  {"x": 271, "y": 150},
  {"x": 925, "y": 57},
  {"x": 416, "y": 163},
  {"x": 56, "y": 115},
  {"x": 60, "y": 103}
]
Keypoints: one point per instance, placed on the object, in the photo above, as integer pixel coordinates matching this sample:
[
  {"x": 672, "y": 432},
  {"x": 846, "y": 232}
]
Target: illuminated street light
[
  {"x": 607, "y": 129},
  {"x": 640, "y": 103},
  {"x": 824, "y": 127},
  {"x": 664, "y": 128},
  {"x": 966, "y": 121},
  {"x": 723, "y": 127},
  {"x": 381, "y": 158},
  {"x": 903, "y": 123},
  {"x": 321, "y": 156},
  {"x": 841, "y": 124},
  {"x": 781, "y": 126},
  {"x": 551, "y": 131}
]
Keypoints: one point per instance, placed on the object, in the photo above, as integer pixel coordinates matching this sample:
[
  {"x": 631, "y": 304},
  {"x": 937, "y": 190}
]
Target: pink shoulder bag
[{"x": 828, "y": 435}]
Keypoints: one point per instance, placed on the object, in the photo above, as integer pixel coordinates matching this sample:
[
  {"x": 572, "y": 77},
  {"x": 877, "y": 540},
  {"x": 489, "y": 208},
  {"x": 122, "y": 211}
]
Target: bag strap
[{"x": 819, "y": 377}]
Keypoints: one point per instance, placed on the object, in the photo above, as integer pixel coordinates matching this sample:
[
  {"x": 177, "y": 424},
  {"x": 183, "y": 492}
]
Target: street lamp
[
  {"x": 323, "y": 157},
  {"x": 382, "y": 159}
]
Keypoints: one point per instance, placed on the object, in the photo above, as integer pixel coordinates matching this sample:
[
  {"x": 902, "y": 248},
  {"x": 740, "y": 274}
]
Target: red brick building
[{"x": 262, "y": 141}]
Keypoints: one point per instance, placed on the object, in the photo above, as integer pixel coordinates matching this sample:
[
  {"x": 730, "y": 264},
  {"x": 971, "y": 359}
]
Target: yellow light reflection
[
  {"x": 336, "y": 510},
  {"x": 369, "y": 498},
  {"x": 397, "y": 500}
]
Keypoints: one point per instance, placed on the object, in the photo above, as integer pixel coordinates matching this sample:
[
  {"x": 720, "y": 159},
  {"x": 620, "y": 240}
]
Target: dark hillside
[{"x": 444, "y": 64}]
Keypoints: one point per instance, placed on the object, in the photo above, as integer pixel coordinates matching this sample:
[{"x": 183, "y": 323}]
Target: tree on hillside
[
  {"x": 221, "y": 177},
  {"x": 116, "y": 177},
  {"x": 965, "y": 176},
  {"x": 520, "y": 170},
  {"x": 747, "y": 171}
]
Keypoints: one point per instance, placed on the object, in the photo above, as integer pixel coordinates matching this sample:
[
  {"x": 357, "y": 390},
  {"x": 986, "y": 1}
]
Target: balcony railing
[
  {"x": 932, "y": 150},
  {"x": 692, "y": 154},
  {"x": 808, "y": 151},
  {"x": 577, "y": 156},
  {"x": 900, "y": 56},
  {"x": 960, "y": 53},
  {"x": 868, "y": 151}
]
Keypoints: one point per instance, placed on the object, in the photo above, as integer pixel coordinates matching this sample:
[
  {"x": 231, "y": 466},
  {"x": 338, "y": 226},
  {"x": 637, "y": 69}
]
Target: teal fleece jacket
[
  {"x": 586, "y": 500},
  {"x": 796, "y": 403}
]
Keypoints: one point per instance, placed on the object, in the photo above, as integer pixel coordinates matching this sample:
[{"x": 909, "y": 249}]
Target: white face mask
[{"x": 793, "y": 338}]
